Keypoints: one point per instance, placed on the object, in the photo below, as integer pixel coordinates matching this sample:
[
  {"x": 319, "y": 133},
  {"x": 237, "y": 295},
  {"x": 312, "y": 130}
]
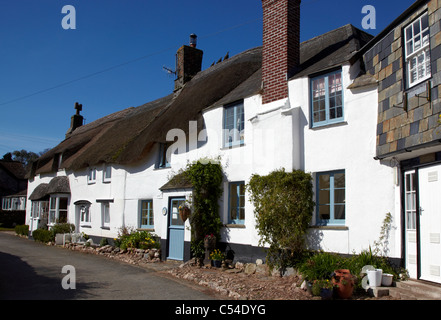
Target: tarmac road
[{"x": 33, "y": 271}]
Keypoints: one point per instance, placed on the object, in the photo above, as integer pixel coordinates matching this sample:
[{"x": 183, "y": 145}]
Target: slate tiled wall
[{"x": 397, "y": 128}]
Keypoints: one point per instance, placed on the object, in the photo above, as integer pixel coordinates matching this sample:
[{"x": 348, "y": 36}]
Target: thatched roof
[
  {"x": 127, "y": 136},
  {"x": 40, "y": 192},
  {"x": 55, "y": 186}
]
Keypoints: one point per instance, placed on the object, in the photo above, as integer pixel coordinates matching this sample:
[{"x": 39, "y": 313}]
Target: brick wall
[
  {"x": 397, "y": 128},
  {"x": 281, "y": 43}
]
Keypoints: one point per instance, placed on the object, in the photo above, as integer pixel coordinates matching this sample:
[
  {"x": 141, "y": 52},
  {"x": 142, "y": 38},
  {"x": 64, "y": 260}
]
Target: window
[
  {"x": 331, "y": 198},
  {"x": 147, "y": 221},
  {"x": 6, "y": 204},
  {"x": 417, "y": 50},
  {"x": 105, "y": 215},
  {"x": 58, "y": 209},
  {"x": 85, "y": 216},
  {"x": 234, "y": 128},
  {"x": 237, "y": 203},
  {"x": 107, "y": 173},
  {"x": 91, "y": 177},
  {"x": 410, "y": 186},
  {"x": 39, "y": 209},
  {"x": 327, "y": 99},
  {"x": 163, "y": 161}
]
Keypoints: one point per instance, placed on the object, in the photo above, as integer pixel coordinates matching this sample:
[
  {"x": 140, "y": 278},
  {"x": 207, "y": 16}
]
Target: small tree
[{"x": 283, "y": 203}]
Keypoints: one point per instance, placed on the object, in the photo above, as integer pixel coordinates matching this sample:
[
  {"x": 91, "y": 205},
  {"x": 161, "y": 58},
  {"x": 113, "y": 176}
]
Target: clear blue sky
[{"x": 41, "y": 63}]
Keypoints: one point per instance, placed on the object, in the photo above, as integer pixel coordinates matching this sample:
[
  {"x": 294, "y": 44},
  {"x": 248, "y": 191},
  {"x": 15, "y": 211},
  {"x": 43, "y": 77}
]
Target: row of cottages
[{"x": 325, "y": 106}]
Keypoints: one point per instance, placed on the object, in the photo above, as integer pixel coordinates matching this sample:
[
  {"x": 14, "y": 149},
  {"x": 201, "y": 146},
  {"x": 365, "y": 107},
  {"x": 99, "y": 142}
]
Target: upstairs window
[
  {"x": 163, "y": 160},
  {"x": 91, "y": 177},
  {"x": 327, "y": 99},
  {"x": 417, "y": 50},
  {"x": 107, "y": 173},
  {"x": 234, "y": 125}
]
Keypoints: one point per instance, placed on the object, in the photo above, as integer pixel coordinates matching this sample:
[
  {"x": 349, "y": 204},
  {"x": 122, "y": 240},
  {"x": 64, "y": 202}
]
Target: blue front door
[{"x": 175, "y": 230}]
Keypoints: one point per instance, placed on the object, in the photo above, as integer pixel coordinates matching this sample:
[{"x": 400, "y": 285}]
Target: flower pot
[
  {"x": 344, "y": 282},
  {"x": 217, "y": 263},
  {"x": 375, "y": 277},
  {"x": 326, "y": 294},
  {"x": 386, "y": 280}
]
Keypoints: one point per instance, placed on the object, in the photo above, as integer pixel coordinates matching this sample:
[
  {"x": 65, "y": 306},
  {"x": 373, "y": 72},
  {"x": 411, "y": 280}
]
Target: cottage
[
  {"x": 326, "y": 106},
  {"x": 405, "y": 59}
]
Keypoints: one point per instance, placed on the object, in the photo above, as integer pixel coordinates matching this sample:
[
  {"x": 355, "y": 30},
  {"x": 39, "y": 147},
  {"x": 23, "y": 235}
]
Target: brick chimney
[
  {"x": 76, "y": 120},
  {"x": 281, "y": 46},
  {"x": 188, "y": 62}
]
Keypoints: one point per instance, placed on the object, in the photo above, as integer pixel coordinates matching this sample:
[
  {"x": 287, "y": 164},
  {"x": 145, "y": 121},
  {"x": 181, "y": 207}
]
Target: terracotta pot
[{"x": 344, "y": 282}]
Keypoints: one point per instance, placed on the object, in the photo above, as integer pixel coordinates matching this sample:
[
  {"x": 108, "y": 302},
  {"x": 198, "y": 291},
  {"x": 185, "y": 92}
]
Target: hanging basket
[{"x": 184, "y": 213}]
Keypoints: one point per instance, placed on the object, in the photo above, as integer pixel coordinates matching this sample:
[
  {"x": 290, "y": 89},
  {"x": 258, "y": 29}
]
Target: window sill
[
  {"x": 329, "y": 125},
  {"x": 233, "y": 146},
  {"x": 86, "y": 226},
  {"x": 235, "y": 226},
  {"x": 162, "y": 168},
  {"x": 330, "y": 227},
  {"x": 146, "y": 229},
  {"x": 105, "y": 228}
]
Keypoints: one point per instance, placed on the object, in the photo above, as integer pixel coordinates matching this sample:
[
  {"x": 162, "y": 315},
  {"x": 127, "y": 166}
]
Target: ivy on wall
[{"x": 283, "y": 205}]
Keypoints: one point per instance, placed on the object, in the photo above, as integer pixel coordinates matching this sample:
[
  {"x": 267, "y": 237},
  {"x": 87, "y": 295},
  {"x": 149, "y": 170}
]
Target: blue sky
[{"x": 114, "y": 58}]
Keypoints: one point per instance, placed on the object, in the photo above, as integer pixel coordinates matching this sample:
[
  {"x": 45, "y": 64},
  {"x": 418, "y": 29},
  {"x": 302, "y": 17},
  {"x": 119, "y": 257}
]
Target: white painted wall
[{"x": 370, "y": 189}]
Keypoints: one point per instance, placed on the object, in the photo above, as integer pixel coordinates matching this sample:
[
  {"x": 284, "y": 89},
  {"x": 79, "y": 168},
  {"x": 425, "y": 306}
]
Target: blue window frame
[
  {"x": 331, "y": 198},
  {"x": 234, "y": 124},
  {"x": 236, "y": 212},
  {"x": 147, "y": 220},
  {"x": 327, "y": 99}
]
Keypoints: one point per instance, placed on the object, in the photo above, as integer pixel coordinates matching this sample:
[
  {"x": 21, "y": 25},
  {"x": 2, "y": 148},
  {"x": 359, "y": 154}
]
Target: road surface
[{"x": 30, "y": 270}]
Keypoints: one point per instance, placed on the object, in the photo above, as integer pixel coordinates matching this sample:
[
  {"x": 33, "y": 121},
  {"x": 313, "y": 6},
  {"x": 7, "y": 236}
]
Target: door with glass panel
[
  {"x": 175, "y": 230},
  {"x": 410, "y": 203}
]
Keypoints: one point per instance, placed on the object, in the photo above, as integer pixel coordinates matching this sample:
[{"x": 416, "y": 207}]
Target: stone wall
[{"x": 406, "y": 119}]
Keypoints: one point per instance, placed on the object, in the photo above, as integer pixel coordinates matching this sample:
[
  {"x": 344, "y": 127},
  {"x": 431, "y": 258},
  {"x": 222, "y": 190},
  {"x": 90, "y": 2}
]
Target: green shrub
[
  {"x": 321, "y": 266},
  {"x": 42, "y": 235},
  {"x": 283, "y": 206},
  {"x": 137, "y": 239},
  {"x": 22, "y": 230}
]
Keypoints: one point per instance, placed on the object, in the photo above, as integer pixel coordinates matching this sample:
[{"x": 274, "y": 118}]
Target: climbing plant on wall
[
  {"x": 206, "y": 176},
  {"x": 283, "y": 205}
]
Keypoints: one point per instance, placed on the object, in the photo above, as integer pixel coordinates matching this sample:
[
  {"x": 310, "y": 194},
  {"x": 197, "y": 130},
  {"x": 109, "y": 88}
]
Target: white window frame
[
  {"x": 86, "y": 216},
  {"x": 410, "y": 205},
  {"x": 416, "y": 46},
  {"x": 54, "y": 213},
  {"x": 105, "y": 213},
  {"x": 107, "y": 173},
  {"x": 91, "y": 175}
]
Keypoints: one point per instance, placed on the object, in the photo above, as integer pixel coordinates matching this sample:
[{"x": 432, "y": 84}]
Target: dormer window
[
  {"x": 234, "y": 125},
  {"x": 107, "y": 173},
  {"x": 91, "y": 177},
  {"x": 163, "y": 160}
]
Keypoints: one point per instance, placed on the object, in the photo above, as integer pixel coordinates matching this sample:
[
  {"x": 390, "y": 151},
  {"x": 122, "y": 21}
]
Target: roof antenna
[{"x": 169, "y": 71}]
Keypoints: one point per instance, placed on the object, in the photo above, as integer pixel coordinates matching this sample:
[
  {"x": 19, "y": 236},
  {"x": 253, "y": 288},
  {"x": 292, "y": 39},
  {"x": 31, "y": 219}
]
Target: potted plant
[
  {"x": 343, "y": 281},
  {"x": 217, "y": 256},
  {"x": 323, "y": 288}
]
